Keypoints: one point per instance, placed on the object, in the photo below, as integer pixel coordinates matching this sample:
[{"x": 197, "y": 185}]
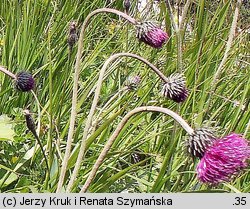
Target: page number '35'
[{"x": 240, "y": 201}]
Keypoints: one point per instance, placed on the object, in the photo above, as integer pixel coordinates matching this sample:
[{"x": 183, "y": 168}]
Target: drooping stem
[
  {"x": 224, "y": 59},
  {"x": 111, "y": 140},
  {"x": 94, "y": 104},
  {"x": 4, "y": 70},
  {"x": 75, "y": 85},
  {"x": 32, "y": 128}
]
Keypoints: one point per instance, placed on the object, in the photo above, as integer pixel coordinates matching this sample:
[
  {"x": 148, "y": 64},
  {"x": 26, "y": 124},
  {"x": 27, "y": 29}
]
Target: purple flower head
[
  {"x": 24, "y": 81},
  {"x": 175, "y": 88},
  {"x": 149, "y": 33},
  {"x": 223, "y": 159}
]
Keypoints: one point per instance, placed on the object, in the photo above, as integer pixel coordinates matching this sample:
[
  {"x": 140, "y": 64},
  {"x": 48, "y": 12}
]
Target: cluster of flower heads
[{"x": 220, "y": 159}]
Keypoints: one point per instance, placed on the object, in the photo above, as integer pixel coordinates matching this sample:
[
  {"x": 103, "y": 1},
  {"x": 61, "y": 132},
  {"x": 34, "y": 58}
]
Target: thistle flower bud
[
  {"x": 24, "y": 81},
  {"x": 199, "y": 141},
  {"x": 32, "y": 127},
  {"x": 73, "y": 37},
  {"x": 30, "y": 122},
  {"x": 133, "y": 81},
  {"x": 175, "y": 88},
  {"x": 127, "y": 5},
  {"x": 149, "y": 33}
]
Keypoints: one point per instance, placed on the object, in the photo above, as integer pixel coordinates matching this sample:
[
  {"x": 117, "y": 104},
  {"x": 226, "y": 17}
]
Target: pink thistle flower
[
  {"x": 149, "y": 33},
  {"x": 225, "y": 158}
]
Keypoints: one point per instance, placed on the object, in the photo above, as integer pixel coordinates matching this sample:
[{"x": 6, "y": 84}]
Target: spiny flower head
[
  {"x": 199, "y": 141},
  {"x": 24, "y": 81},
  {"x": 149, "y": 33},
  {"x": 175, "y": 88},
  {"x": 223, "y": 159}
]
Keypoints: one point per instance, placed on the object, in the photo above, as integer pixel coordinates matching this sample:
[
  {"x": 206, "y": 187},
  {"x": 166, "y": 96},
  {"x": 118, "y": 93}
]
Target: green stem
[
  {"x": 178, "y": 36},
  {"x": 49, "y": 143}
]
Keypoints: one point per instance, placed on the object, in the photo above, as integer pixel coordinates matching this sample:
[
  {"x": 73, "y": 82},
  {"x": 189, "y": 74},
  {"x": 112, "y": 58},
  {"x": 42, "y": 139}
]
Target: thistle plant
[
  {"x": 220, "y": 159},
  {"x": 95, "y": 101},
  {"x": 32, "y": 127},
  {"x": 120, "y": 126},
  {"x": 24, "y": 81},
  {"x": 72, "y": 37},
  {"x": 75, "y": 87},
  {"x": 75, "y": 84},
  {"x": 133, "y": 82},
  {"x": 126, "y": 5},
  {"x": 175, "y": 88}
]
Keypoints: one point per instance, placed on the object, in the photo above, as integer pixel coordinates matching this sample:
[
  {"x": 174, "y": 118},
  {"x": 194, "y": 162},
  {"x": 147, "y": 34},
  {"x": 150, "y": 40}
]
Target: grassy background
[{"x": 33, "y": 36}]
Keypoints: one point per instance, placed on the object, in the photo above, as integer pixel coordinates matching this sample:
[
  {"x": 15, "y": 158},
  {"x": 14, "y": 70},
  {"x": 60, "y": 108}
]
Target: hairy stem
[
  {"x": 4, "y": 70},
  {"x": 94, "y": 104},
  {"x": 177, "y": 30},
  {"x": 111, "y": 140},
  {"x": 75, "y": 86},
  {"x": 184, "y": 14},
  {"x": 224, "y": 59}
]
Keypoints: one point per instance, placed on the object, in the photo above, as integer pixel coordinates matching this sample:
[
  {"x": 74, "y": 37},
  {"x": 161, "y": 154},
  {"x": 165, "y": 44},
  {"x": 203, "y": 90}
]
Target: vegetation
[{"x": 149, "y": 154}]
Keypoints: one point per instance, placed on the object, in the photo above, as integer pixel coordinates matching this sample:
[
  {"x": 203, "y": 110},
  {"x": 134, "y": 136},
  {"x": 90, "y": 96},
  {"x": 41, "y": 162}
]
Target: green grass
[{"x": 33, "y": 36}]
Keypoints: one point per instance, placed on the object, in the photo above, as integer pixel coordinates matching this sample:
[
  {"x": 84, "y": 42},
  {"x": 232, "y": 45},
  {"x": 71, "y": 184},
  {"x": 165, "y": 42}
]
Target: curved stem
[
  {"x": 75, "y": 86},
  {"x": 111, "y": 140},
  {"x": 4, "y": 70},
  {"x": 94, "y": 104}
]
